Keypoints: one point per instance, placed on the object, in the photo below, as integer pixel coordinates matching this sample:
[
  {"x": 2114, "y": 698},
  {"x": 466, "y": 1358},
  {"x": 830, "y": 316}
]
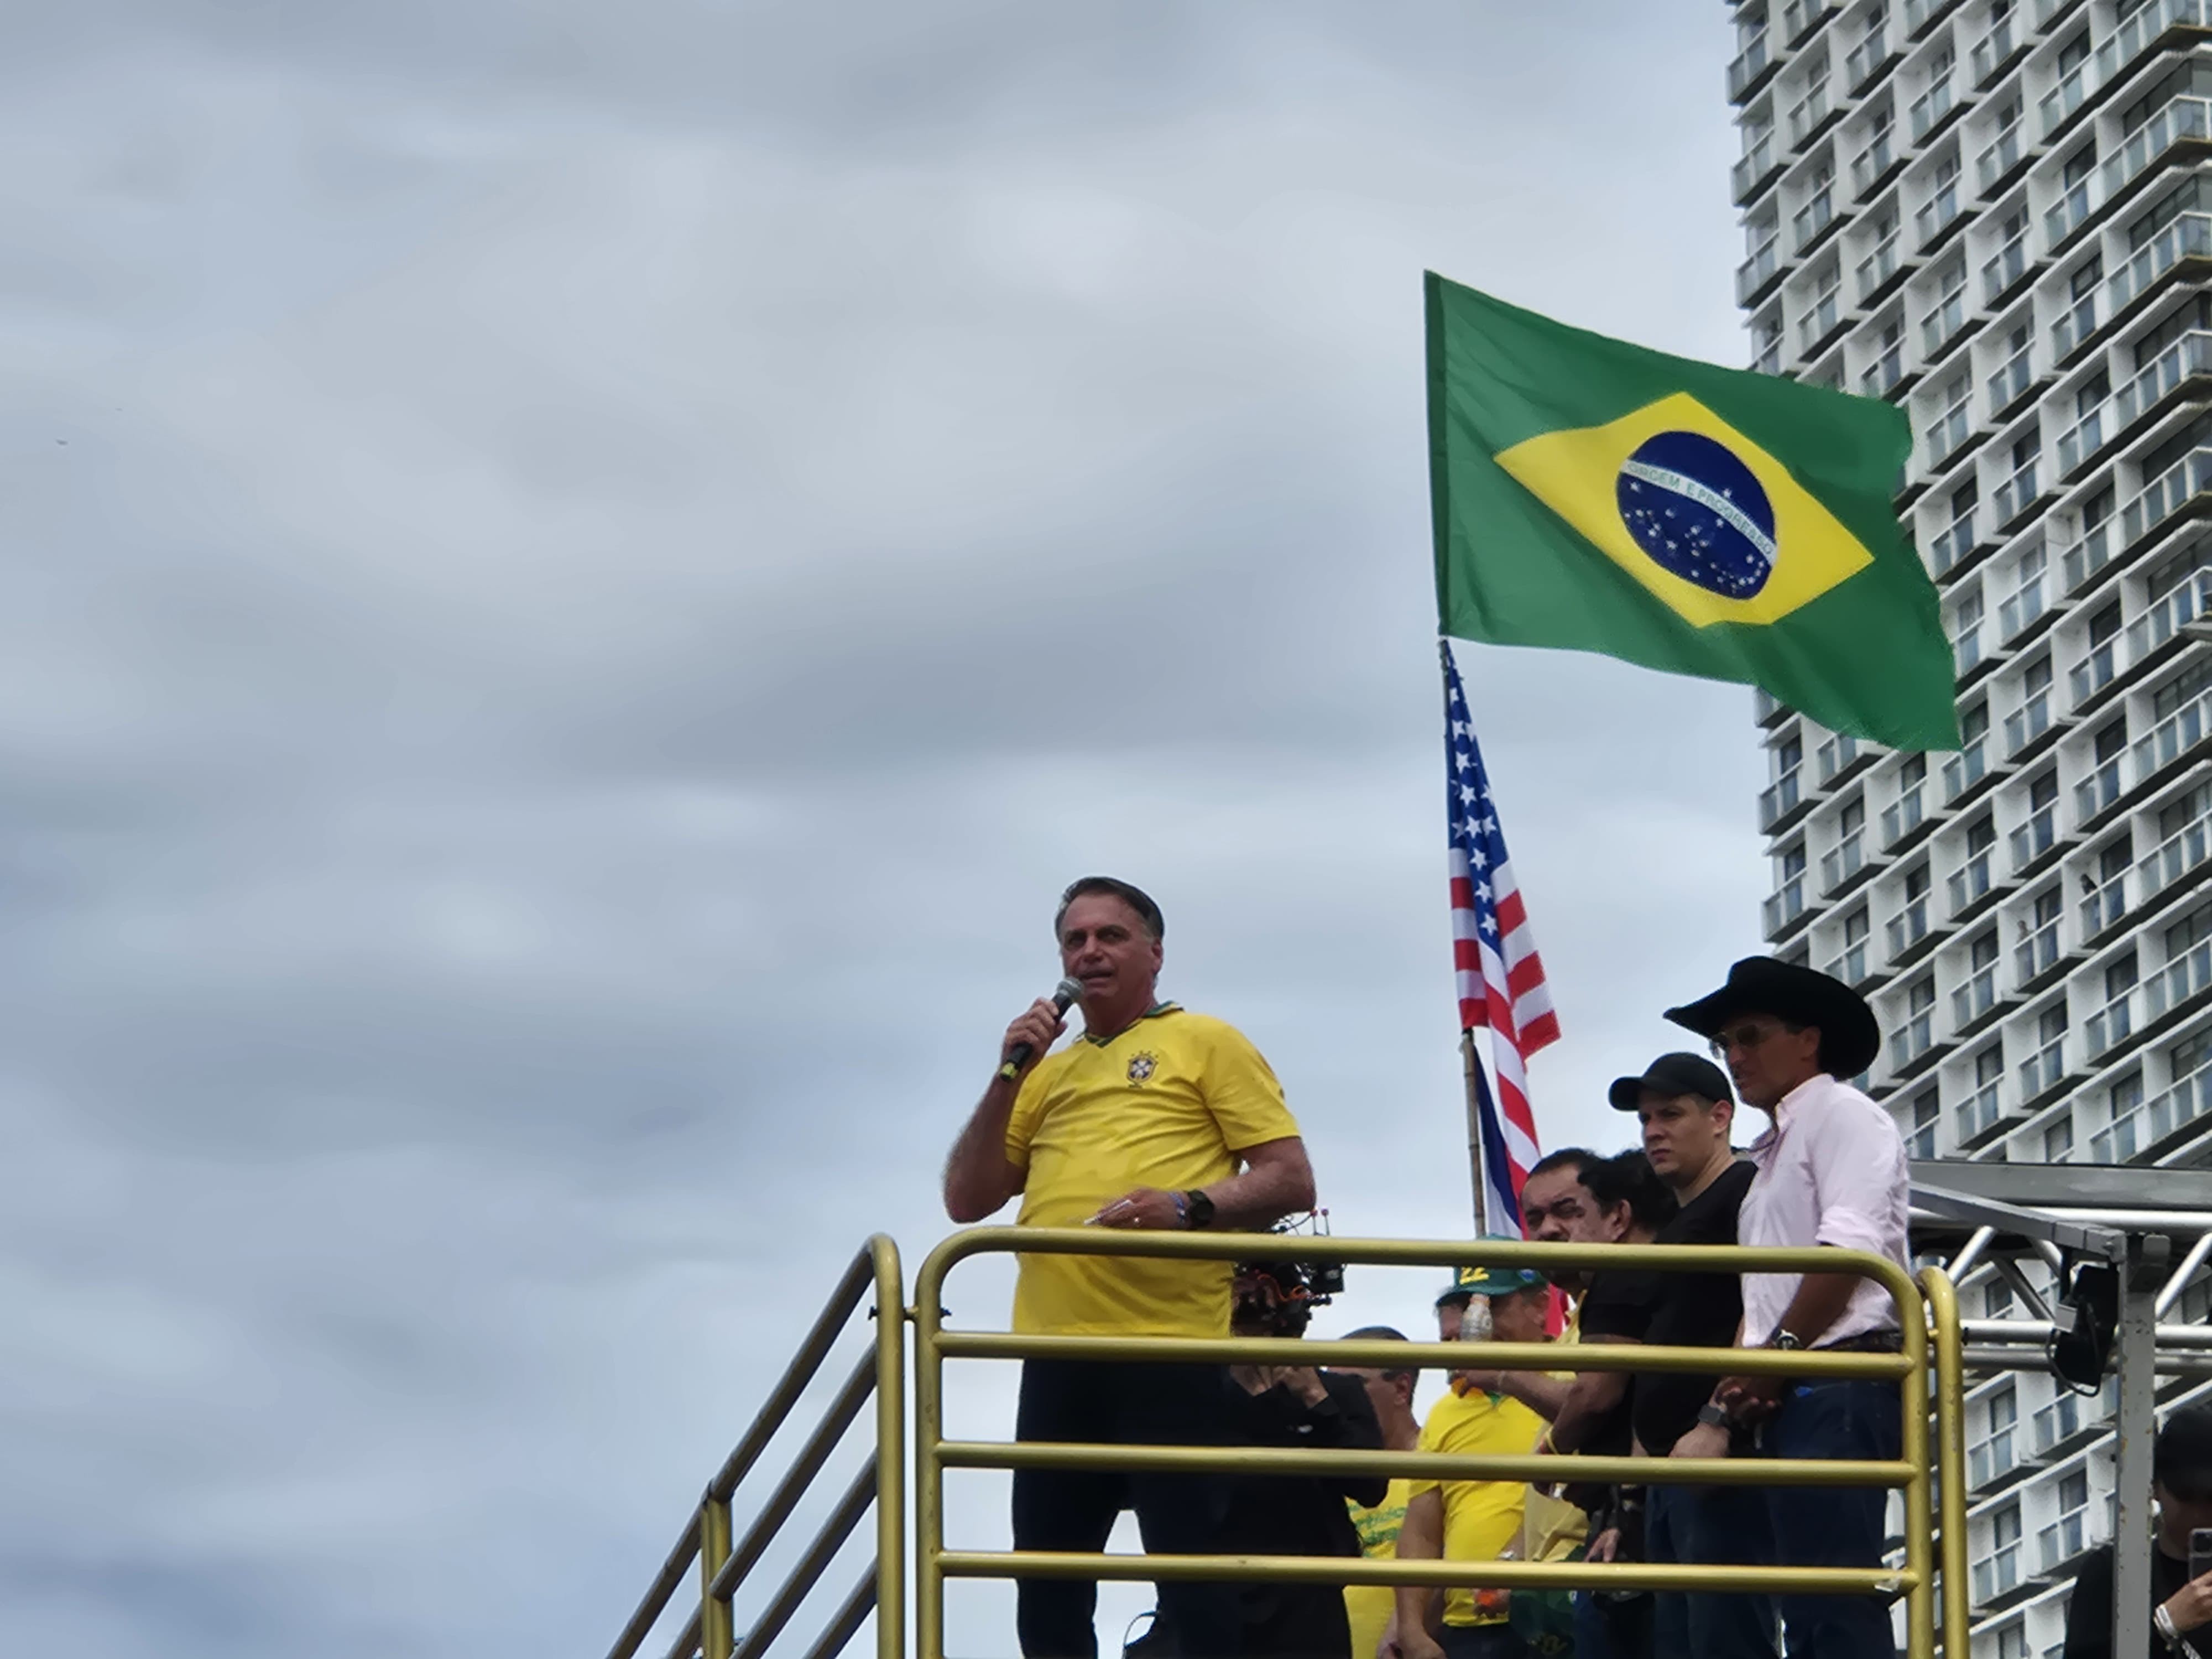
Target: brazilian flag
[{"x": 1595, "y": 495}]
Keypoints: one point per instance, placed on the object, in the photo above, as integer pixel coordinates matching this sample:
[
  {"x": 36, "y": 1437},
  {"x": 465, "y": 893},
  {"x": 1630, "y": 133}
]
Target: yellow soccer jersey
[
  {"x": 1368, "y": 1606},
  {"x": 1482, "y": 1517},
  {"x": 1167, "y": 1103}
]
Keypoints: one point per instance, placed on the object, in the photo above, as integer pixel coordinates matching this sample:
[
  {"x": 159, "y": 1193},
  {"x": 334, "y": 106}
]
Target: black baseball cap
[
  {"x": 2181, "y": 1457},
  {"x": 1671, "y": 1074}
]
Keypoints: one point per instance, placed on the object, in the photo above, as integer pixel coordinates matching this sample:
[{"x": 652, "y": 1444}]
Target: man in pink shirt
[{"x": 1831, "y": 1170}]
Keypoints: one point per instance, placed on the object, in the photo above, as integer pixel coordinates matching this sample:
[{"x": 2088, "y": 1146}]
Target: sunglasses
[{"x": 1743, "y": 1039}]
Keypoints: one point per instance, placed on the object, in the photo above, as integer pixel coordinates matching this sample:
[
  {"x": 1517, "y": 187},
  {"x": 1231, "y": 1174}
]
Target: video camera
[{"x": 1280, "y": 1296}]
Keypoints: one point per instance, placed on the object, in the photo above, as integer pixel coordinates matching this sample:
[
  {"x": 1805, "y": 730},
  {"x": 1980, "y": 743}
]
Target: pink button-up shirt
[{"x": 1831, "y": 1171}]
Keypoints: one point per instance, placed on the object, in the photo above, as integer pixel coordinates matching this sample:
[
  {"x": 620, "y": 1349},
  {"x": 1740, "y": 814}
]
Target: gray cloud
[{"x": 572, "y": 584}]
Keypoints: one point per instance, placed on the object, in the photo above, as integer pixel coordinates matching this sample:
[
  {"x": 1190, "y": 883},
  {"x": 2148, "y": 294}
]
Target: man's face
[
  {"x": 1104, "y": 945},
  {"x": 1449, "y": 1317},
  {"x": 1681, "y": 1133},
  {"x": 1386, "y": 1391},
  {"x": 1766, "y": 1059},
  {"x": 1556, "y": 1208},
  {"x": 1520, "y": 1317},
  {"x": 2179, "y": 1517}
]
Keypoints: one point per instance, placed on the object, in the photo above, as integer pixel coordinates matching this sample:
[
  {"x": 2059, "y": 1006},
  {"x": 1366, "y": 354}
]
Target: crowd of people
[{"x": 1159, "y": 1118}]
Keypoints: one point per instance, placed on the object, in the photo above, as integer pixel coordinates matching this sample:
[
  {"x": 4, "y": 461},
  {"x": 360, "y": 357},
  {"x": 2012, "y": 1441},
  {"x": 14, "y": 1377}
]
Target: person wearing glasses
[{"x": 1831, "y": 1170}]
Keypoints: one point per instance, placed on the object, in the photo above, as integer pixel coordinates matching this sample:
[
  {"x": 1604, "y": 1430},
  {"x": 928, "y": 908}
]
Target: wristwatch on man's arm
[{"x": 1197, "y": 1208}]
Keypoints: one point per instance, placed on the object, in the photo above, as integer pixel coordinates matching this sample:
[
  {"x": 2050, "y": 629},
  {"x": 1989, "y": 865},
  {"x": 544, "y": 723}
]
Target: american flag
[{"x": 1501, "y": 977}]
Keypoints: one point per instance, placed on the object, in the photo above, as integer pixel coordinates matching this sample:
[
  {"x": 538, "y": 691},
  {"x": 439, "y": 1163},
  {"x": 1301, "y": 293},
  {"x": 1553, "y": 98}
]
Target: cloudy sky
[{"x": 574, "y": 580}]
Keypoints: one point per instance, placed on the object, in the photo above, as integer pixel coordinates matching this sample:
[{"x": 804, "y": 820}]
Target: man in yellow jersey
[
  {"x": 1472, "y": 1521},
  {"x": 1155, "y": 1118},
  {"x": 1390, "y": 1391}
]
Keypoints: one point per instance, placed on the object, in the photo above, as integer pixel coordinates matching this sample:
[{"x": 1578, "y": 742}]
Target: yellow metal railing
[
  {"x": 724, "y": 1566},
  {"x": 1913, "y": 1472}
]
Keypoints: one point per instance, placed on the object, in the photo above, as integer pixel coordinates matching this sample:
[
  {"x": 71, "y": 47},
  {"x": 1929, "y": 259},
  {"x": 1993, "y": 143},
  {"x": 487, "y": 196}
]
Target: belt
[{"x": 1866, "y": 1342}]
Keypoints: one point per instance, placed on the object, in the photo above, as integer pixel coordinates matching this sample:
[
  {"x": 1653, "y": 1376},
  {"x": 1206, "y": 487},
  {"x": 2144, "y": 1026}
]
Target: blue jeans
[
  {"x": 1709, "y": 1526},
  {"x": 1832, "y": 1526}
]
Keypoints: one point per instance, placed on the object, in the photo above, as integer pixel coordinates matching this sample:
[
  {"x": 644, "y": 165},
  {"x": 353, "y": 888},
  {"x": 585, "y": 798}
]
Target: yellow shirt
[
  {"x": 1368, "y": 1606},
  {"x": 1482, "y": 1517},
  {"x": 1167, "y": 1103}
]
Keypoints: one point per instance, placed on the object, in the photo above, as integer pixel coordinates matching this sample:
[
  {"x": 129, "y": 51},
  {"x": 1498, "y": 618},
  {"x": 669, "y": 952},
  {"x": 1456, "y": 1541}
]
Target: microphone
[{"x": 1064, "y": 995}]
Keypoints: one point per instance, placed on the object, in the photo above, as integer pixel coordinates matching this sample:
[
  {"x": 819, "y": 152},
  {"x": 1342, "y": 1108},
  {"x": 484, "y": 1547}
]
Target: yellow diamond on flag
[{"x": 1712, "y": 525}]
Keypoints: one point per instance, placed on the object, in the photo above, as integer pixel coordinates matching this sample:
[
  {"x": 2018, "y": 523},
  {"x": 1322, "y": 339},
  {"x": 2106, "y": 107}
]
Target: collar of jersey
[{"x": 1153, "y": 1012}]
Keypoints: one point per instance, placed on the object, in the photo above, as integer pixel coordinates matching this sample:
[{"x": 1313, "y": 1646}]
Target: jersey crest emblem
[{"x": 1142, "y": 1066}]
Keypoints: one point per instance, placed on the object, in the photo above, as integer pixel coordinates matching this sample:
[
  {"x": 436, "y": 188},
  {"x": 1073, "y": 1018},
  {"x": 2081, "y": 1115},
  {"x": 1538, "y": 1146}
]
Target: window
[
  {"x": 1926, "y": 1114},
  {"x": 2058, "y": 1141}
]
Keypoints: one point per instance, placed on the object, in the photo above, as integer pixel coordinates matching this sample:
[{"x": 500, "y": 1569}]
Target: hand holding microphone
[{"x": 1035, "y": 1031}]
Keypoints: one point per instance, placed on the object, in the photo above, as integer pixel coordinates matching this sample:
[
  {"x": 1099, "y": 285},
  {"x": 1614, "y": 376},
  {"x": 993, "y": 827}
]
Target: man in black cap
[
  {"x": 1683, "y": 1104},
  {"x": 1831, "y": 1170},
  {"x": 2181, "y": 1607}
]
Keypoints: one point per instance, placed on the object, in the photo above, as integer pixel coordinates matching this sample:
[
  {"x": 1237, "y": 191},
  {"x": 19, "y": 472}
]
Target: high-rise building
[{"x": 1997, "y": 214}]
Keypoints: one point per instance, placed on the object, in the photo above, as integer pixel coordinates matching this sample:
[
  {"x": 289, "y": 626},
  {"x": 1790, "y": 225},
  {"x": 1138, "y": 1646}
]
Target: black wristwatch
[
  {"x": 1198, "y": 1209},
  {"x": 1785, "y": 1341},
  {"x": 1713, "y": 1416}
]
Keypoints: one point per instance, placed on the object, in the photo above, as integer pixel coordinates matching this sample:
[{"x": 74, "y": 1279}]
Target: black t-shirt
[
  {"x": 2089, "y": 1614},
  {"x": 1675, "y": 1310},
  {"x": 1617, "y": 1305}
]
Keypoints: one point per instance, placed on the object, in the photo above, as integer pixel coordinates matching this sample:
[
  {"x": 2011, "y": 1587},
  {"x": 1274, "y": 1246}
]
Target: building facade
[{"x": 1997, "y": 214}]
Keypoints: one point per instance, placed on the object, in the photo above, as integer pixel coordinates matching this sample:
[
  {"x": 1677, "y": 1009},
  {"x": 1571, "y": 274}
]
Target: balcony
[
  {"x": 1814, "y": 327},
  {"x": 1837, "y": 755},
  {"x": 2035, "y": 838},
  {"x": 2043, "y": 1069},
  {"x": 1956, "y": 539},
  {"x": 1913, "y": 1039},
  {"x": 1920, "y": 1145},
  {"x": 2093, "y": 672},
  {"x": 2064, "y": 215},
  {"x": 1994, "y": 49},
  {"x": 1881, "y": 375},
  {"x": 1971, "y": 883},
  {"x": 1939, "y": 213},
  {"x": 2136, "y": 36},
  {"x": 2011, "y": 381},
  {"x": 1908, "y": 927},
  {"x": 1965, "y": 769},
  {"x": 1991, "y": 1459},
  {"x": 2063, "y": 1539},
  {"x": 2170, "y": 738},
  {"x": 1814, "y": 217},
  {"x": 2177, "y": 1108},
  {"x": 1769, "y": 361},
  {"x": 1975, "y": 999},
  {"x": 2189, "y": 237},
  {"x": 1842, "y": 863},
  {"x": 2183, "y": 119},
  {"x": 1977, "y": 1114},
  {"x": 1948, "y": 431},
  {"x": 1875, "y": 271},
  {"x": 2014, "y": 497},
  {"x": 1749, "y": 67},
  {"x": 2027, "y": 723},
  {"x": 1919, "y": 14},
  {"x": 2070, "y": 1414},
  {"x": 1867, "y": 59},
  {"x": 1779, "y": 800},
  {"x": 1755, "y": 167},
  {"x": 2187, "y": 976},
  {"x": 1757, "y": 274},
  {"x": 2097, "y": 792},
  {"x": 1785, "y": 907},
  {"x": 1851, "y": 967},
  {"x": 2181, "y": 610},
  {"x": 2083, "y": 439},
  {"x": 2036, "y": 955},
  {"x": 2023, "y": 608},
  {"x": 1967, "y": 647},
  {"x": 2110, "y": 1024},
  {"x": 1801, "y": 17},
  {"x": 2172, "y": 858},
  {"x": 1996, "y": 1573},
  {"x": 2004, "y": 268},
  {"x": 2063, "y": 99},
  {"x": 1929, "y": 108},
  {"x": 2102, "y": 905},
  {"x": 2077, "y": 324},
  {"x": 2186, "y": 358},
  {"x": 1901, "y": 819},
  {"x": 1809, "y": 114}
]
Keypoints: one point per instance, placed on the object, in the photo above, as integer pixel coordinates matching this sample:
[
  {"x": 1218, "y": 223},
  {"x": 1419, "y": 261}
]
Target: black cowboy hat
[{"x": 1850, "y": 1038}]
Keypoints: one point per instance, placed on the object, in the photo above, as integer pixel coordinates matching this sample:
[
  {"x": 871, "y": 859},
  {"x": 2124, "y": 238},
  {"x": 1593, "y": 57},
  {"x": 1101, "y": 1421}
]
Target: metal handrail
[
  {"x": 1942, "y": 1295},
  {"x": 1915, "y": 1579},
  {"x": 706, "y": 1539}
]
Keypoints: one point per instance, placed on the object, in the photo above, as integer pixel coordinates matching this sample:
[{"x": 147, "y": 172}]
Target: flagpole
[{"x": 1472, "y": 1080}]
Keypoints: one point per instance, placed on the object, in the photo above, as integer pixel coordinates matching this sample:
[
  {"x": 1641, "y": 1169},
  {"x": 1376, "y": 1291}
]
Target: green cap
[{"x": 1492, "y": 1281}]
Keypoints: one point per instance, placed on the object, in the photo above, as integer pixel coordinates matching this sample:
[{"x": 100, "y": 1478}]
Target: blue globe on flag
[{"x": 1700, "y": 512}]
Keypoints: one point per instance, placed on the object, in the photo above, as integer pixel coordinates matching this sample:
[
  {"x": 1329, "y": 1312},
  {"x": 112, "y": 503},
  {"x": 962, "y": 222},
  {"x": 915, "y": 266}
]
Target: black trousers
[{"x": 1075, "y": 1510}]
